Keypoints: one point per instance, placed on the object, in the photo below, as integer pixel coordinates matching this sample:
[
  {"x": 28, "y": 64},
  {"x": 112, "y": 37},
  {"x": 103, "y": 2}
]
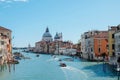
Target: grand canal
[{"x": 46, "y": 67}]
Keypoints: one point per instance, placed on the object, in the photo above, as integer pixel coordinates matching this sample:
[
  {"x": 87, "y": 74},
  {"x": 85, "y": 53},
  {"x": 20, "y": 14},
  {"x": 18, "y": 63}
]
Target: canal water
[{"x": 46, "y": 67}]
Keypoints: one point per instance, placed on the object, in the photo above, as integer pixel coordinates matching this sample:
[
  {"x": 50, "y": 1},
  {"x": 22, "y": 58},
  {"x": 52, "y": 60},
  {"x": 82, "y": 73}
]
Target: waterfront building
[
  {"x": 83, "y": 46},
  {"x": 47, "y": 45},
  {"x": 65, "y": 48},
  {"x": 44, "y": 47},
  {"x": 58, "y": 46},
  {"x": 93, "y": 44},
  {"x": 87, "y": 44},
  {"x": 44, "y": 44},
  {"x": 66, "y": 51},
  {"x": 111, "y": 43},
  {"x": 58, "y": 43},
  {"x": 117, "y": 44},
  {"x": 101, "y": 44},
  {"x": 5, "y": 45},
  {"x": 90, "y": 48}
]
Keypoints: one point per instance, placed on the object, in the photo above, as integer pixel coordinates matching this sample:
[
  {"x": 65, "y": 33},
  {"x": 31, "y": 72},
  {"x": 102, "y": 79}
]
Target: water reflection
[
  {"x": 3, "y": 67},
  {"x": 9, "y": 67}
]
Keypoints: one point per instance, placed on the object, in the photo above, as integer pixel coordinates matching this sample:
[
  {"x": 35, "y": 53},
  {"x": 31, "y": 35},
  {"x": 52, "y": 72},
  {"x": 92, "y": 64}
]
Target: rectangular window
[
  {"x": 113, "y": 54},
  {"x": 91, "y": 50},
  {"x": 99, "y": 50},
  {"x": 99, "y": 41},
  {"x": 107, "y": 46},
  {"x": 113, "y": 46},
  {"x": 2, "y": 42},
  {"x": 112, "y": 35},
  {"x": 85, "y": 36},
  {"x": 9, "y": 41},
  {"x": 8, "y": 34}
]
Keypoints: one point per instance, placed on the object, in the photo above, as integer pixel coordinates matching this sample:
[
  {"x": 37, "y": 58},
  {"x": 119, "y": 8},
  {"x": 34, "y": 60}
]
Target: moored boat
[{"x": 13, "y": 62}]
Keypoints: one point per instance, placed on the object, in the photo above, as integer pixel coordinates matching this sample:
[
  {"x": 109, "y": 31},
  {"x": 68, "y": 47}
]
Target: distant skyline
[{"x": 28, "y": 19}]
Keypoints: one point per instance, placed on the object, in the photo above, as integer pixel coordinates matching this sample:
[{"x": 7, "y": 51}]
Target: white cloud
[
  {"x": 8, "y": 3},
  {"x": 13, "y": 0},
  {"x": 21, "y": 0}
]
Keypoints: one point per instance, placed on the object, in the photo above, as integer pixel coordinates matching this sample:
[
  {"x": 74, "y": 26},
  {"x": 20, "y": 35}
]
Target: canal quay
[{"x": 46, "y": 67}]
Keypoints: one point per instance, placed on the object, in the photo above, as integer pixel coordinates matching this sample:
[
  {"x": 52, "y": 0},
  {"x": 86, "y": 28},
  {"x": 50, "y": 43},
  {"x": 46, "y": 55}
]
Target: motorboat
[
  {"x": 63, "y": 65},
  {"x": 37, "y": 55},
  {"x": 59, "y": 59},
  {"x": 54, "y": 56}
]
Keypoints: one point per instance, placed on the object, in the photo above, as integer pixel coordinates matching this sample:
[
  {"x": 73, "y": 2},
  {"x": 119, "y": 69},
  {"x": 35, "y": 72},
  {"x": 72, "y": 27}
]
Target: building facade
[
  {"x": 111, "y": 43},
  {"x": 101, "y": 43},
  {"x": 117, "y": 44},
  {"x": 5, "y": 45},
  {"x": 58, "y": 46},
  {"x": 45, "y": 44},
  {"x": 93, "y": 44},
  {"x": 111, "y": 40},
  {"x": 87, "y": 44}
]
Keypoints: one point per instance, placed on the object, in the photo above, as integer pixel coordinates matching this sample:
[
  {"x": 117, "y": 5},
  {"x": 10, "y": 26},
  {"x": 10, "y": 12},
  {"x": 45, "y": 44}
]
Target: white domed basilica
[
  {"x": 47, "y": 36},
  {"x": 47, "y": 44}
]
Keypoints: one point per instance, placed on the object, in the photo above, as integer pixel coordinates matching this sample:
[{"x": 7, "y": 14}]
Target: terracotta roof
[
  {"x": 2, "y": 28},
  {"x": 103, "y": 34}
]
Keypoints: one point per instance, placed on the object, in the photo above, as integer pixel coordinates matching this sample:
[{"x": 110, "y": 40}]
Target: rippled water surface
[{"x": 46, "y": 67}]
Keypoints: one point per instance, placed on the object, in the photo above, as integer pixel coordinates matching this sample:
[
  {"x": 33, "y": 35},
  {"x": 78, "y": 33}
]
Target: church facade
[
  {"x": 54, "y": 46},
  {"x": 47, "y": 44}
]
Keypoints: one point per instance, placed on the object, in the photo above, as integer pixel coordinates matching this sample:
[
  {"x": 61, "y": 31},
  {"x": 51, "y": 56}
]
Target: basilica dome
[{"x": 47, "y": 36}]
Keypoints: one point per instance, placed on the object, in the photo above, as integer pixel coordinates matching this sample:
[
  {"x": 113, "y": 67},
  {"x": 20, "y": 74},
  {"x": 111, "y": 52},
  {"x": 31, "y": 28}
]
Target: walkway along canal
[{"x": 46, "y": 67}]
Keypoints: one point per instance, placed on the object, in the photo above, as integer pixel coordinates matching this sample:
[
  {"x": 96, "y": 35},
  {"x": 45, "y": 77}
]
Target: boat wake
[
  {"x": 72, "y": 73},
  {"x": 53, "y": 59},
  {"x": 50, "y": 60},
  {"x": 56, "y": 59}
]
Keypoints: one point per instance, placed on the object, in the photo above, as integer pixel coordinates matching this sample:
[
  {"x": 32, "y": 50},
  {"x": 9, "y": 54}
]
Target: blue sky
[{"x": 28, "y": 19}]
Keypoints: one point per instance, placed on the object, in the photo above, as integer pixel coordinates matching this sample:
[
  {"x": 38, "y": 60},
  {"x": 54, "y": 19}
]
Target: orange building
[{"x": 100, "y": 43}]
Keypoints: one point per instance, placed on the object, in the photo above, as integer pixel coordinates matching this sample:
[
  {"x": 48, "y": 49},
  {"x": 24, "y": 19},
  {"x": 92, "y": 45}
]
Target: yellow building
[{"x": 111, "y": 41}]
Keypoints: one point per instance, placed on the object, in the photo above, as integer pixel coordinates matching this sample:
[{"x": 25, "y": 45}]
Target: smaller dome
[{"x": 57, "y": 36}]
